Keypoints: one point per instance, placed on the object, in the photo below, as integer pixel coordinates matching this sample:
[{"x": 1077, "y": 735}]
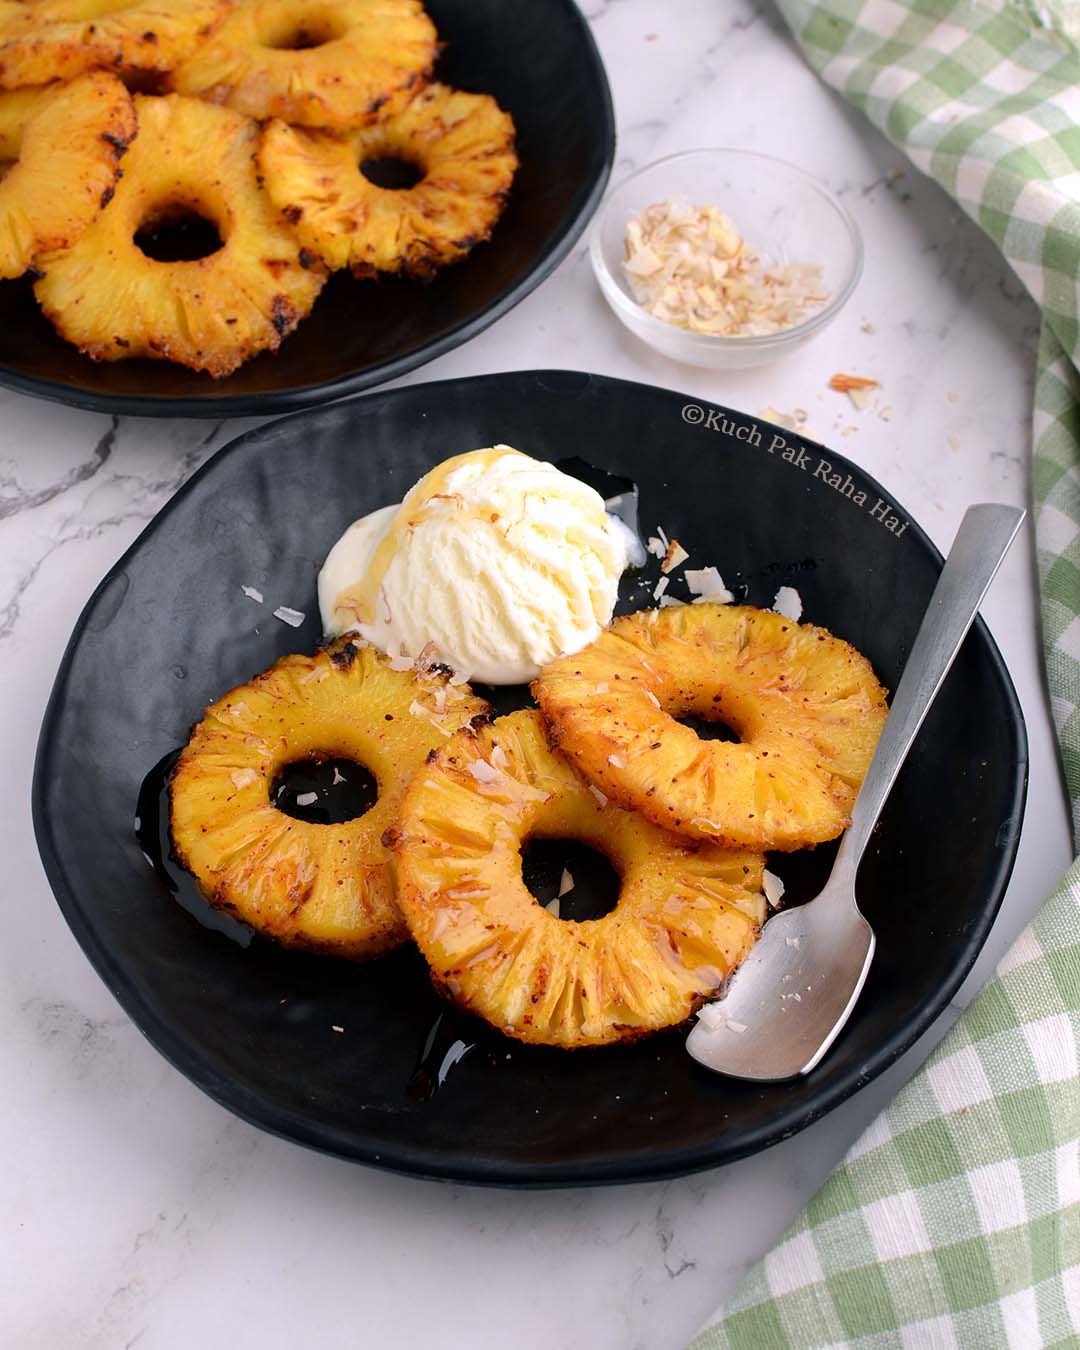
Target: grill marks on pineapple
[
  {"x": 686, "y": 913},
  {"x": 460, "y": 148},
  {"x": 806, "y": 705},
  {"x": 326, "y": 887},
  {"x": 60, "y": 150},
  {"x": 210, "y": 312},
  {"x": 338, "y": 64},
  {"x": 61, "y": 39}
]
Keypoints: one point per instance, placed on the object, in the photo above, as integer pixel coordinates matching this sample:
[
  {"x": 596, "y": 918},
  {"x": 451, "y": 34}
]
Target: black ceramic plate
[
  {"x": 170, "y": 629},
  {"x": 538, "y": 58}
]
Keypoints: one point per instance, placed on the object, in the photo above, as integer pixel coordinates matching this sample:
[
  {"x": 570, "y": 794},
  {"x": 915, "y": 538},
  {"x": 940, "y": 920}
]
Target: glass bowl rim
[{"x": 660, "y": 328}]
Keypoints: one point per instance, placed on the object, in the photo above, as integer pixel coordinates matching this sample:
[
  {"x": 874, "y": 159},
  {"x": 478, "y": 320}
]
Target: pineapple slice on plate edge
[
  {"x": 64, "y": 144},
  {"x": 326, "y": 888},
  {"x": 806, "y": 706}
]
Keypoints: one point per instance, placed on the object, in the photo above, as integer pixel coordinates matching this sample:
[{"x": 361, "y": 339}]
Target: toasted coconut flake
[
  {"x": 566, "y": 883},
  {"x": 498, "y": 758},
  {"x": 688, "y": 266},
  {"x": 667, "y": 600},
  {"x": 242, "y": 778},
  {"x": 307, "y": 799},
  {"x": 293, "y": 617},
  {"x": 553, "y": 907},
  {"x": 616, "y": 761},
  {"x": 338, "y": 777},
  {"x": 660, "y": 587},
  {"x": 253, "y": 593},
  {"x": 675, "y": 557},
  {"x": 652, "y": 698},
  {"x": 844, "y": 384},
  {"x": 600, "y": 797}
]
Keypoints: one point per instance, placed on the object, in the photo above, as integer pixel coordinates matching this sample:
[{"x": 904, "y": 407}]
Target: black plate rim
[
  {"x": 307, "y": 396},
  {"x": 656, "y": 1165}
]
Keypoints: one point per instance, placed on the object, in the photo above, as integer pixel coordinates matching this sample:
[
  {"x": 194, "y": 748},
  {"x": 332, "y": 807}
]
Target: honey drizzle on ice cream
[
  {"x": 362, "y": 599},
  {"x": 496, "y": 561}
]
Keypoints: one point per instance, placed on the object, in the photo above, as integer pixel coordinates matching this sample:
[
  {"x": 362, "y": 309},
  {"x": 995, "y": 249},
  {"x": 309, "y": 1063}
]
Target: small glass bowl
[{"x": 781, "y": 211}]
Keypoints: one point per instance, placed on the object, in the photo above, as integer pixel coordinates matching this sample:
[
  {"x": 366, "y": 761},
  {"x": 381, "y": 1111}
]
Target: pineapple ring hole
[
  {"x": 288, "y": 31},
  {"x": 594, "y": 891},
  {"x": 178, "y": 232},
  {"x": 391, "y": 172},
  {"x": 709, "y": 729},
  {"x": 324, "y": 791}
]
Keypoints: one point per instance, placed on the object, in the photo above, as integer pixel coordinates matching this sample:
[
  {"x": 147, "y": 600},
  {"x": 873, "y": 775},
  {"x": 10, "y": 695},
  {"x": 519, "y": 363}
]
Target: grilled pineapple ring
[
  {"x": 64, "y": 143},
  {"x": 335, "y": 63},
  {"x": 463, "y": 144},
  {"x": 806, "y": 705},
  {"x": 686, "y": 914},
  {"x": 210, "y": 313},
  {"x": 43, "y": 40},
  {"x": 327, "y": 888}
]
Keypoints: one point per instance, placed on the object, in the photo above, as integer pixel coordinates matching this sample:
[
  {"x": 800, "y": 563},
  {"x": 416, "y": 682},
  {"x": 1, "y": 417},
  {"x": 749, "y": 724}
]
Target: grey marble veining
[{"x": 138, "y": 1213}]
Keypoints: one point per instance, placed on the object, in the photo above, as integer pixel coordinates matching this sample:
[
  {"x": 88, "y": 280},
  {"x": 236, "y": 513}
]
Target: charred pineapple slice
[
  {"x": 327, "y": 888},
  {"x": 687, "y": 913},
  {"x": 210, "y": 313},
  {"x": 42, "y": 40},
  {"x": 336, "y": 63},
  {"x": 63, "y": 144},
  {"x": 461, "y": 144},
  {"x": 806, "y": 706}
]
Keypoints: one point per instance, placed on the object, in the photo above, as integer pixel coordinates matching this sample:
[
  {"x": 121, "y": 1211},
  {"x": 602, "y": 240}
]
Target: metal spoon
[{"x": 789, "y": 999}]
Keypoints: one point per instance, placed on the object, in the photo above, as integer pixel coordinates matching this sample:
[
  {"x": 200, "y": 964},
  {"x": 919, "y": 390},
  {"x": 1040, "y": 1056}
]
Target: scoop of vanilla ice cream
[{"x": 501, "y": 561}]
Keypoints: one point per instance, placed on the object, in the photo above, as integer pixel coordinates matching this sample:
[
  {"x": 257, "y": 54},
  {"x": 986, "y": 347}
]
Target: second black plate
[
  {"x": 538, "y": 59},
  {"x": 170, "y": 629}
]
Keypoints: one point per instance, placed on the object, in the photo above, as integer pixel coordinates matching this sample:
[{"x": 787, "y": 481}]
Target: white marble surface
[{"x": 134, "y": 1210}]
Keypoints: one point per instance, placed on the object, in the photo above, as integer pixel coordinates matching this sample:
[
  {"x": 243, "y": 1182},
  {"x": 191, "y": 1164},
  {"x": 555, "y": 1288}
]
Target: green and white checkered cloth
[{"x": 955, "y": 1219}]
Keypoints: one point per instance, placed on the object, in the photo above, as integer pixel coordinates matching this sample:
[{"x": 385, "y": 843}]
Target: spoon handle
[{"x": 978, "y": 550}]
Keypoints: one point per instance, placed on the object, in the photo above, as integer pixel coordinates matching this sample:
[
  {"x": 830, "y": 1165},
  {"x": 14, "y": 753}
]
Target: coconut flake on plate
[
  {"x": 553, "y": 907},
  {"x": 566, "y": 882},
  {"x": 660, "y": 587},
  {"x": 293, "y": 617},
  {"x": 253, "y": 593},
  {"x": 788, "y": 602},
  {"x": 675, "y": 556},
  {"x": 657, "y": 543},
  {"x": 707, "y": 585},
  {"x": 773, "y": 888},
  {"x": 339, "y": 777},
  {"x": 307, "y": 799},
  {"x": 666, "y": 601}
]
